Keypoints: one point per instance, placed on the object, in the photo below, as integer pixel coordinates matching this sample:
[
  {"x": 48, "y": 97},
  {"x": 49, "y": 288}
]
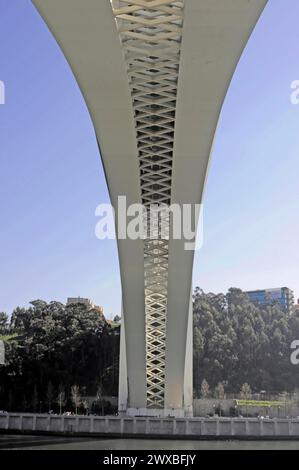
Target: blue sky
[{"x": 51, "y": 178}]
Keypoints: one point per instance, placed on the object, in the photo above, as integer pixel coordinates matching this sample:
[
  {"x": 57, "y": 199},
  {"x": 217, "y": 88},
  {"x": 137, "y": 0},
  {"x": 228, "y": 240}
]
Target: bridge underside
[{"x": 154, "y": 74}]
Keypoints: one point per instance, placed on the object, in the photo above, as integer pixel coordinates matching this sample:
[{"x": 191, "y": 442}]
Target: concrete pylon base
[{"x": 125, "y": 406}]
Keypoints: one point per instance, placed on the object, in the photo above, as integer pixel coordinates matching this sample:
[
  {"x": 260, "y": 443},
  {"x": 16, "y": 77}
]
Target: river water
[{"x": 77, "y": 443}]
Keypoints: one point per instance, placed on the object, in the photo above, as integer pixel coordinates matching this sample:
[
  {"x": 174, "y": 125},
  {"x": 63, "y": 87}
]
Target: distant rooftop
[{"x": 84, "y": 301}]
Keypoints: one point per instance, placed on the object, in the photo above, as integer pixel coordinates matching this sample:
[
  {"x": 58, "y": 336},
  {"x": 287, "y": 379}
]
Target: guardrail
[{"x": 147, "y": 426}]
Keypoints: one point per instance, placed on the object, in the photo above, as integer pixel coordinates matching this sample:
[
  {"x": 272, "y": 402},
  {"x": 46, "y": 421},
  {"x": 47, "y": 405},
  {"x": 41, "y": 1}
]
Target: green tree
[
  {"x": 61, "y": 398},
  {"x": 99, "y": 398},
  {"x": 50, "y": 395},
  {"x": 235, "y": 342},
  {"x": 245, "y": 394},
  {"x": 219, "y": 391},
  {"x": 76, "y": 398},
  {"x": 205, "y": 389},
  {"x": 4, "y": 324}
]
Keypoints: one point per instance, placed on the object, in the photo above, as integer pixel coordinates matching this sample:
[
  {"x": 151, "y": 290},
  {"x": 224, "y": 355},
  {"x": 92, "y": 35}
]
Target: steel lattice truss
[{"x": 151, "y": 32}]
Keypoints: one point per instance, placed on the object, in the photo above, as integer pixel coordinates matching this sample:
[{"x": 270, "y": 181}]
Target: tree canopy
[
  {"x": 53, "y": 344},
  {"x": 237, "y": 342},
  {"x": 51, "y": 347}
]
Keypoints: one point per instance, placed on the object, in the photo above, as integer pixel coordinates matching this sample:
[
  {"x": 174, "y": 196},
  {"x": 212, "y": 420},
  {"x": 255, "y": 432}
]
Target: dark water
[{"x": 62, "y": 443}]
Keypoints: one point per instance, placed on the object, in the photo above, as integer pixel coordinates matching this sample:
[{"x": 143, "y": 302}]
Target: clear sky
[{"x": 51, "y": 178}]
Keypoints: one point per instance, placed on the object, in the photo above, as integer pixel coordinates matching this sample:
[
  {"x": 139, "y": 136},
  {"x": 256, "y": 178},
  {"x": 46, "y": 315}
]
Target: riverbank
[{"x": 29, "y": 442}]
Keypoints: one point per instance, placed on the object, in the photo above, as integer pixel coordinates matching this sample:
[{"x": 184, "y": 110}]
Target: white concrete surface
[
  {"x": 150, "y": 426},
  {"x": 214, "y": 35}
]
